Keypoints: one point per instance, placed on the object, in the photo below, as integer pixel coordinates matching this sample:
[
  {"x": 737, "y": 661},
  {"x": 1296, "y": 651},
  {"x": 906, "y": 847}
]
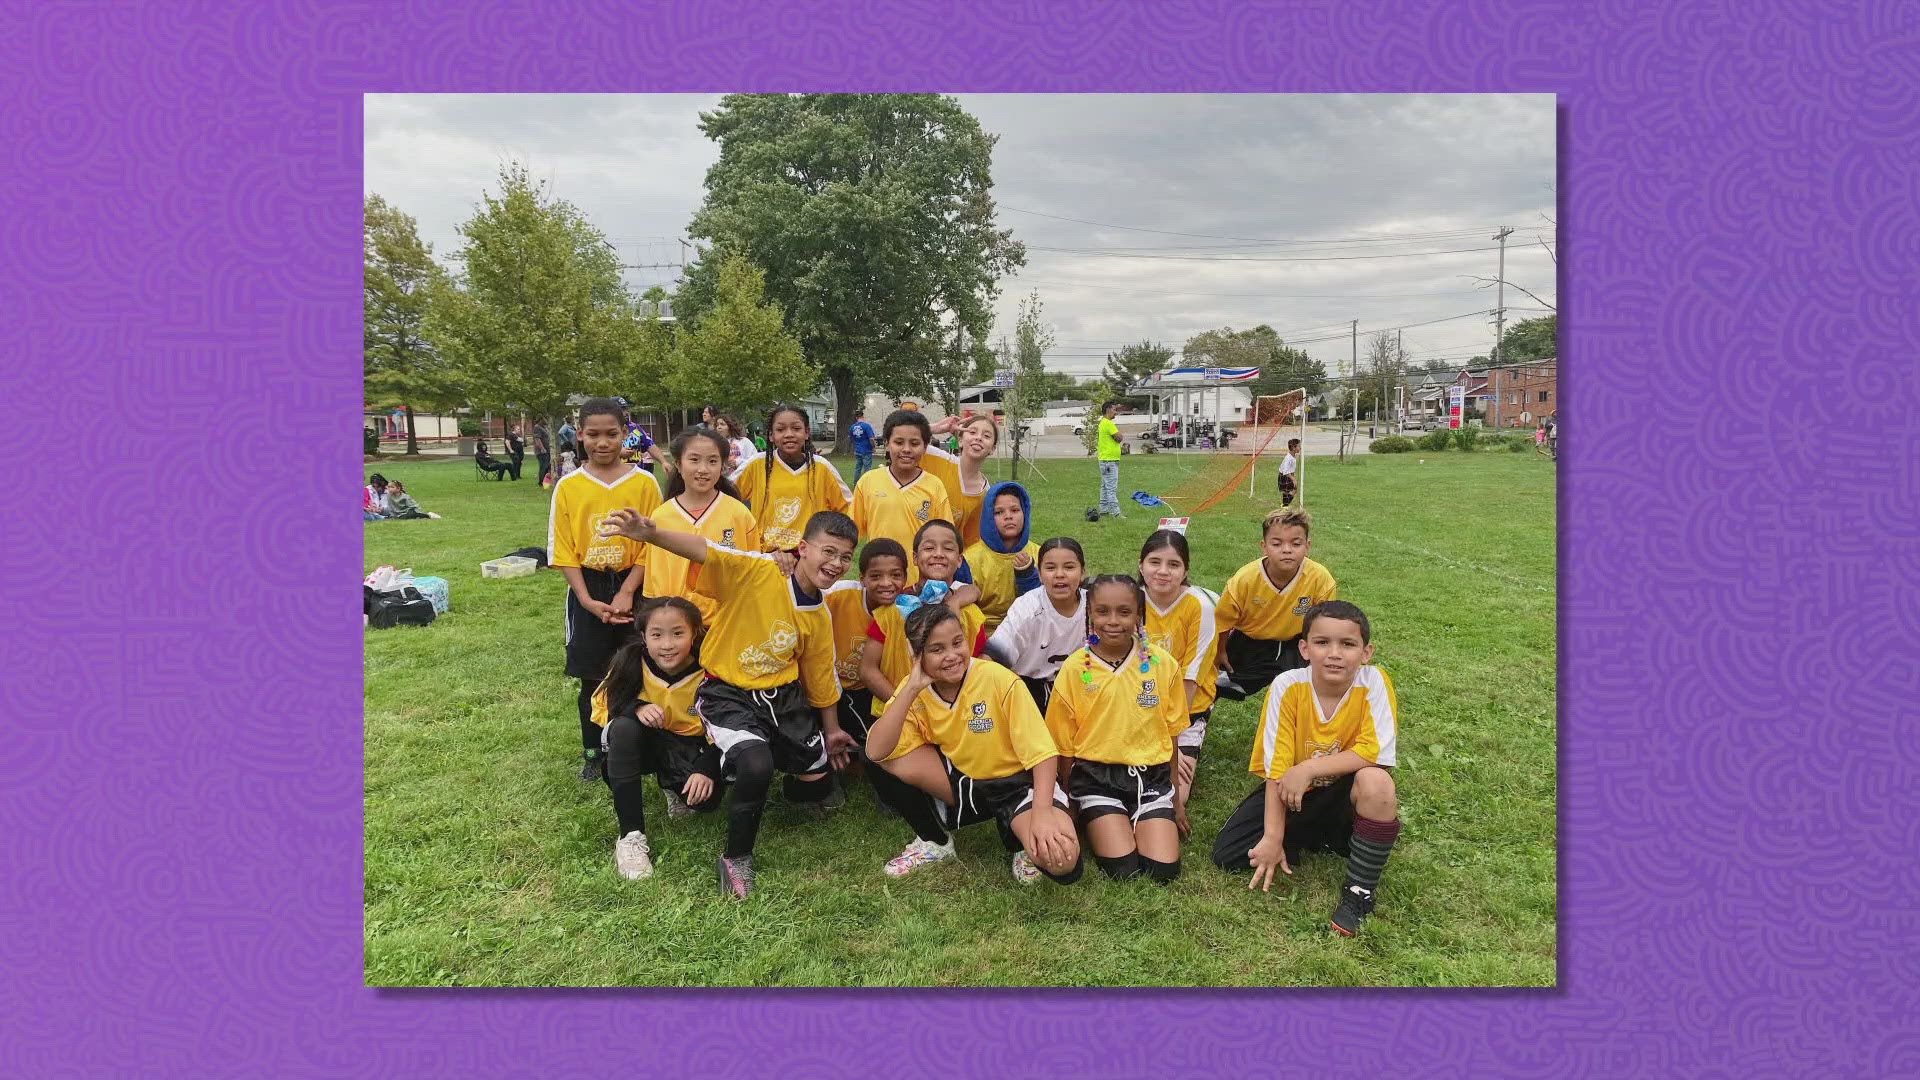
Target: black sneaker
[
  {"x": 590, "y": 768},
  {"x": 736, "y": 876},
  {"x": 1356, "y": 904}
]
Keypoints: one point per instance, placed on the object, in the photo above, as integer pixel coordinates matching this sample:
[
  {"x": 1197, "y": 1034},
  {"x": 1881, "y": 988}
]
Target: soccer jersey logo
[
  {"x": 925, "y": 511},
  {"x": 981, "y": 722},
  {"x": 1320, "y": 750},
  {"x": 848, "y": 667},
  {"x": 606, "y": 551},
  {"x": 784, "y": 513},
  {"x": 1147, "y": 699},
  {"x": 1301, "y": 607},
  {"x": 726, "y": 538},
  {"x": 772, "y": 654}
]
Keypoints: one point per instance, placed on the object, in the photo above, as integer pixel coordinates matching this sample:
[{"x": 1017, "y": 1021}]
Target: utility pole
[
  {"x": 1399, "y": 375},
  {"x": 1499, "y": 322},
  {"x": 1353, "y": 369}
]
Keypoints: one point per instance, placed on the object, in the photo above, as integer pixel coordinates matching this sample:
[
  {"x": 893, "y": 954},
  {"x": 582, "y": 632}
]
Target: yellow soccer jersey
[
  {"x": 847, "y": 608},
  {"x": 991, "y": 728},
  {"x": 888, "y": 633},
  {"x": 764, "y": 634},
  {"x": 783, "y": 497},
  {"x": 993, "y": 572},
  {"x": 964, "y": 507},
  {"x": 674, "y": 696},
  {"x": 1117, "y": 715},
  {"x": 1252, "y": 604},
  {"x": 1186, "y": 631},
  {"x": 882, "y": 506},
  {"x": 580, "y": 503},
  {"x": 1293, "y": 730},
  {"x": 726, "y": 521}
]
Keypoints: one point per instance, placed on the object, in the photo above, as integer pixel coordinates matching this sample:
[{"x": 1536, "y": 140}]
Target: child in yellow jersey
[
  {"x": 770, "y": 697},
  {"x": 1260, "y": 611},
  {"x": 1115, "y": 708},
  {"x": 1180, "y": 620},
  {"x": 603, "y": 573},
  {"x": 966, "y": 484},
  {"x": 648, "y": 725},
  {"x": 1328, "y": 735},
  {"x": 1003, "y": 560},
  {"x": 699, "y": 500},
  {"x": 936, "y": 555},
  {"x": 852, "y": 606},
  {"x": 786, "y": 484},
  {"x": 964, "y": 734},
  {"x": 895, "y": 501}
]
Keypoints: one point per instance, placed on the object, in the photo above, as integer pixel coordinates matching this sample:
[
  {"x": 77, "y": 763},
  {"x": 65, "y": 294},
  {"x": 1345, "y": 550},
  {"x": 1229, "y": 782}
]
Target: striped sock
[{"x": 1368, "y": 850}]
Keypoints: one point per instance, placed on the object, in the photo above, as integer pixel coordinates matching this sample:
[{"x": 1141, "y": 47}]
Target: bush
[
  {"x": 469, "y": 427},
  {"x": 1436, "y": 440},
  {"x": 1519, "y": 444},
  {"x": 1392, "y": 444},
  {"x": 372, "y": 440},
  {"x": 1466, "y": 438}
]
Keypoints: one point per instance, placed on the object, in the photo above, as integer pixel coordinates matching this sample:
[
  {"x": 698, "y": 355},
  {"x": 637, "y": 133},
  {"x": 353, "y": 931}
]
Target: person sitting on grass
[
  {"x": 1002, "y": 560},
  {"x": 771, "y": 698},
  {"x": 373, "y": 498},
  {"x": 1115, "y": 708},
  {"x": 964, "y": 734},
  {"x": 1326, "y": 741},
  {"x": 648, "y": 725},
  {"x": 1260, "y": 611},
  {"x": 400, "y": 505}
]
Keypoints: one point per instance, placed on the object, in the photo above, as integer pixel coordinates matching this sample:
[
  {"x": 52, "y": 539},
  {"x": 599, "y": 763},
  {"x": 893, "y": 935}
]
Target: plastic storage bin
[{"x": 508, "y": 566}]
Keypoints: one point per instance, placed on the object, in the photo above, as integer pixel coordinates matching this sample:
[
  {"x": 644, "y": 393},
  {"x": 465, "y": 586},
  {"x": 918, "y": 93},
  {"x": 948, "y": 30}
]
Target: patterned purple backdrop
[{"x": 180, "y": 784}]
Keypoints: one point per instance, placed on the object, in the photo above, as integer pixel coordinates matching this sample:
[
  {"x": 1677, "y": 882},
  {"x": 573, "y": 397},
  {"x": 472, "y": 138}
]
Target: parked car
[{"x": 1430, "y": 423}]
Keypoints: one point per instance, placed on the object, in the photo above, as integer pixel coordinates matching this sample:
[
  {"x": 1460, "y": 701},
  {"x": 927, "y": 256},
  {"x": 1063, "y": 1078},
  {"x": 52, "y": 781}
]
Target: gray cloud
[{"x": 1412, "y": 173}]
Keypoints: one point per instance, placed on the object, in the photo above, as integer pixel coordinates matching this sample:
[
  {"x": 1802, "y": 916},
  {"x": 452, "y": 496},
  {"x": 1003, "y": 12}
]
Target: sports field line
[{"x": 1502, "y": 576}]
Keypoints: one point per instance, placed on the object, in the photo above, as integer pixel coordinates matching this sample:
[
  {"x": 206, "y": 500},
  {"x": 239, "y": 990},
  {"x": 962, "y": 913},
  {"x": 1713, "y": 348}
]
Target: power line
[
  {"x": 1248, "y": 296},
  {"x": 1257, "y": 258},
  {"x": 1257, "y": 240}
]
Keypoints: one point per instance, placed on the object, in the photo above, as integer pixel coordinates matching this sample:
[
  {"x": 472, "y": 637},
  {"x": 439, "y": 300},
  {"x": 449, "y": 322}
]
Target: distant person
[
  {"x": 487, "y": 463},
  {"x": 1290, "y": 473},
  {"x": 516, "y": 451},
  {"x": 1553, "y": 438},
  {"x": 1107, "y": 444},
  {"x": 400, "y": 505},
  {"x": 569, "y": 438},
  {"x": 543, "y": 450},
  {"x": 709, "y": 417},
  {"x": 861, "y": 434},
  {"x": 1540, "y": 438}
]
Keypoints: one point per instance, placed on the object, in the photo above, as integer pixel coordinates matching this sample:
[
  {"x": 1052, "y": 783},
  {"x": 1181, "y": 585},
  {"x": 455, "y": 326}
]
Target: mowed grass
[{"x": 489, "y": 863}]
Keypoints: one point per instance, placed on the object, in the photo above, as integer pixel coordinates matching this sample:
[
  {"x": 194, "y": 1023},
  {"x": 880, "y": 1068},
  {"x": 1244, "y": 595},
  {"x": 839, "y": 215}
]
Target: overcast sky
[{"x": 1286, "y": 191}]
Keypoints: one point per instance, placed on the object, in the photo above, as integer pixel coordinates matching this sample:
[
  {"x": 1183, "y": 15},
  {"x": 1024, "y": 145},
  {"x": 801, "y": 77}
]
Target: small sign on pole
[
  {"x": 1456, "y": 405},
  {"x": 1213, "y": 374},
  {"x": 1178, "y": 524},
  {"x": 1003, "y": 378}
]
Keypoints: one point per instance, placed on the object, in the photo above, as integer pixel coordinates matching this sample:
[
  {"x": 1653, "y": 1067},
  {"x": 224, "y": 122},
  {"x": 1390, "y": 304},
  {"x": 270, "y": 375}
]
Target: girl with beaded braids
[
  {"x": 965, "y": 738},
  {"x": 1115, "y": 708},
  {"x": 786, "y": 484}
]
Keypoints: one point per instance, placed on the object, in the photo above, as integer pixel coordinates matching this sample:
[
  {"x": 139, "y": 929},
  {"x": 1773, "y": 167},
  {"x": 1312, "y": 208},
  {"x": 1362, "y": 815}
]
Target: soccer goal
[{"x": 1278, "y": 417}]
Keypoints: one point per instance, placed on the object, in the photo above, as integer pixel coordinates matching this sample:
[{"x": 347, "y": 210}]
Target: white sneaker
[
  {"x": 918, "y": 854},
  {"x": 630, "y": 854},
  {"x": 1024, "y": 871}
]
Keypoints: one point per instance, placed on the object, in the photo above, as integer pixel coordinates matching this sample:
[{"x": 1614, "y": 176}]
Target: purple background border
[{"x": 180, "y": 775}]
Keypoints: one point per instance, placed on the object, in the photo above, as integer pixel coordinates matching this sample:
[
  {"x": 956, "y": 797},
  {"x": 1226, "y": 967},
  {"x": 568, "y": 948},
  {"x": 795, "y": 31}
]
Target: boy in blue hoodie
[{"x": 1002, "y": 563}]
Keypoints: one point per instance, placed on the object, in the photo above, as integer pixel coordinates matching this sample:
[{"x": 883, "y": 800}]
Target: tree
[
  {"x": 539, "y": 310},
  {"x": 1530, "y": 339},
  {"x": 401, "y": 367},
  {"x": 1133, "y": 363},
  {"x": 952, "y": 368},
  {"x": 1281, "y": 368},
  {"x": 1385, "y": 367},
  {"x": 1028, "y": 397},
  {"x": 872, "y": 216},
  {"x": 740, "y": 357}
]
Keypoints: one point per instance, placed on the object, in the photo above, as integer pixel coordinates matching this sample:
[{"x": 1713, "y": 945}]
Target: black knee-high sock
[
  {"x": 1367, "y": 851},
  {"x": 916, "y": 807},
  {"x": 752, "y": 776},
  {"x": 626, "y": 769},
  {"x": 589, "y": 731},
  {"x": 1161, "y": 872},
  {"x": 1008, "y": 838},
  {"x": 1122, "y": 868}
]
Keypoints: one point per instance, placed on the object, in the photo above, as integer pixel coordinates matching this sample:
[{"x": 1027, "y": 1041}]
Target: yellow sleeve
[
  {"x": 600, "y": 706},
  {"x": 1227, "y": 612},
  {"x": 913, "y": 733},
  {"x": 816, "y": 660},
  {"x": 1273, "y": 744},
  {"x": 836, "y": 496},
  {"x": 746, "y": 535},
  {"x": 748, "y": 485},
  {"x": 1032, "y": 741},
  {"x": 860, "y": 510},
  {"x": 1173, "y": 696},
  {"x": 562, "y": 540},
  {"x": 1062, "y": 711},
  {"x": 727, "y": 571},
  {"x": 942, "y": 506}
]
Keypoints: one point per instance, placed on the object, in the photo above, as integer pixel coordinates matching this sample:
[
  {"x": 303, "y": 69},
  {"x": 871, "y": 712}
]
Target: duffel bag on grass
[{"x": 403, "y": 607}]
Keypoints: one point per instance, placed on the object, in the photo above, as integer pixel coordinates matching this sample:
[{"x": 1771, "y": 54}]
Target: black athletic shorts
[
  {"x": 1189, "y": 741},
  {"x": 1258, "y": 661},
  {"x": 780, "y": 718},
  {"x": 1142, "y": 792},
  {"x": 1324, "y": 822},
  {"x": 671, "y": 756},
  {"x": 1001, "y": 799},
  {"x": 1041, "y": 691},
  {"x": 590, "y": 642},
  {"x": 856, "y": 713}
]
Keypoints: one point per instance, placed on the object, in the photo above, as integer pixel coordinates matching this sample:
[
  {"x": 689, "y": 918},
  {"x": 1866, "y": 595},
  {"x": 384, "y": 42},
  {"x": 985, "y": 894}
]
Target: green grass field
[{"x": 489, "y": 863}]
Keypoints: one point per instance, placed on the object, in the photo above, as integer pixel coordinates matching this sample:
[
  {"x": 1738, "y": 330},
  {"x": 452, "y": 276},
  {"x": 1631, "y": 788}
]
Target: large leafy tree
[
  {"x": 739, "y": 356},
  {"x": 1133, "y": 363},
  {"x": 402, "y": 368},
  {"x": 1530, "y": 339},
  {"x": 538, "y": 310},
  {"x": 1281, "y": 368},
  {"x": 873, "y": 218}
]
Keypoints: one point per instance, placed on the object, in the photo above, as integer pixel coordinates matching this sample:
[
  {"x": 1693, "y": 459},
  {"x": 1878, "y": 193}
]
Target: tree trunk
[
  {"x": 840, "y": 378},
  {"x": 413, "y": 442}
]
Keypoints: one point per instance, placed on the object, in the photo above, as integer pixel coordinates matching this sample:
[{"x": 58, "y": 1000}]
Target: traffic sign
[{"x": 1003, "y": 378}]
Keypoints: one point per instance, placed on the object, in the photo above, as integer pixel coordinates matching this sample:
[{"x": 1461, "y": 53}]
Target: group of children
[
  {"x": 967, "y": 673},
  {"x": 387, "y": 500}
]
